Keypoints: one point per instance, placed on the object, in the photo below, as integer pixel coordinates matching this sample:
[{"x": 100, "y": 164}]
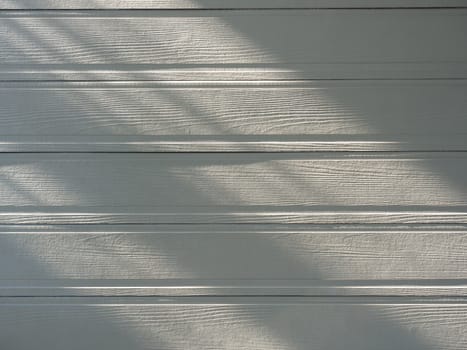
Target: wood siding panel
[
  {"x": 290, "y": 40},
  {"x": 232, "y": 323},
  {"x": 220, "y": 117},
  {"x": 203, "y": 259},
  {"x": 243, "y": 180},
  {"x": 191, "y": 188},
  {"x": 221, "y": 174}
]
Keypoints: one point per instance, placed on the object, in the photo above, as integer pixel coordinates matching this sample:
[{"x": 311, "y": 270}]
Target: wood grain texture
[
  {"x": 227, "y": 259},
  {"x": 232, "y": 323},
  {"x": 233, "y": 215},
  {"x": 158, "y": 188},
  {"x": 227, "y": 4},
  {"x": 193, "y": 279},
  {"x": 107, "y": 40},
  {"x": 243, "y": 180},
  {"x": 219, "y": 117}
]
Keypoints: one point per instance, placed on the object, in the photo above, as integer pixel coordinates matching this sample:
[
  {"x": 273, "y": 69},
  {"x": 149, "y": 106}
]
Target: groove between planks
[
  {"x": 423, "y": 71},
  {"x": 245, "y": 288},
  {"x": 217, "y": 4}
]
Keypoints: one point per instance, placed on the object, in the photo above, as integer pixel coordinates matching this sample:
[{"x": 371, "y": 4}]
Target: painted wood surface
[
  {"x": 234, "y": 215},
  {"x": 244, "y": 180},
  {"x": 86, "y": 41},
  {"x": 233, "y": 323},
  {"x": 228, "y": 259},
  {"x": 224, "y": 117},
  {"x": 198, "y": 174},
  {"x": 224, "y": 4},
  {"x": 239, "y": 187}
]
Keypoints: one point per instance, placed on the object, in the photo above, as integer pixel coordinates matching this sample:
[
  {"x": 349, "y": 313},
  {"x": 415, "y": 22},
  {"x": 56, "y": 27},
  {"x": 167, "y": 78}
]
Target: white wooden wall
[{"x": 222, "y": 174}]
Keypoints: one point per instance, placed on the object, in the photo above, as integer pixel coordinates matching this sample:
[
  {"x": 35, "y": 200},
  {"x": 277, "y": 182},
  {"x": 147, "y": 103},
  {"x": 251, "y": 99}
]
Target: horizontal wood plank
[
  {"x": 218, "y": 4},
  {"x": 232, "y": 323},
  {"x": 60, "y": 41},
  {"x": 226, "y": 260},
  {"x": 171, "y": 187},
  {"x": 219, "y": 117}
]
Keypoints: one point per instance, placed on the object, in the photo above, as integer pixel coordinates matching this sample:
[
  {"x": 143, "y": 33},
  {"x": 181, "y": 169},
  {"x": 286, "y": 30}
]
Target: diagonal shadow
[{"x": 367, "y": 335}]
